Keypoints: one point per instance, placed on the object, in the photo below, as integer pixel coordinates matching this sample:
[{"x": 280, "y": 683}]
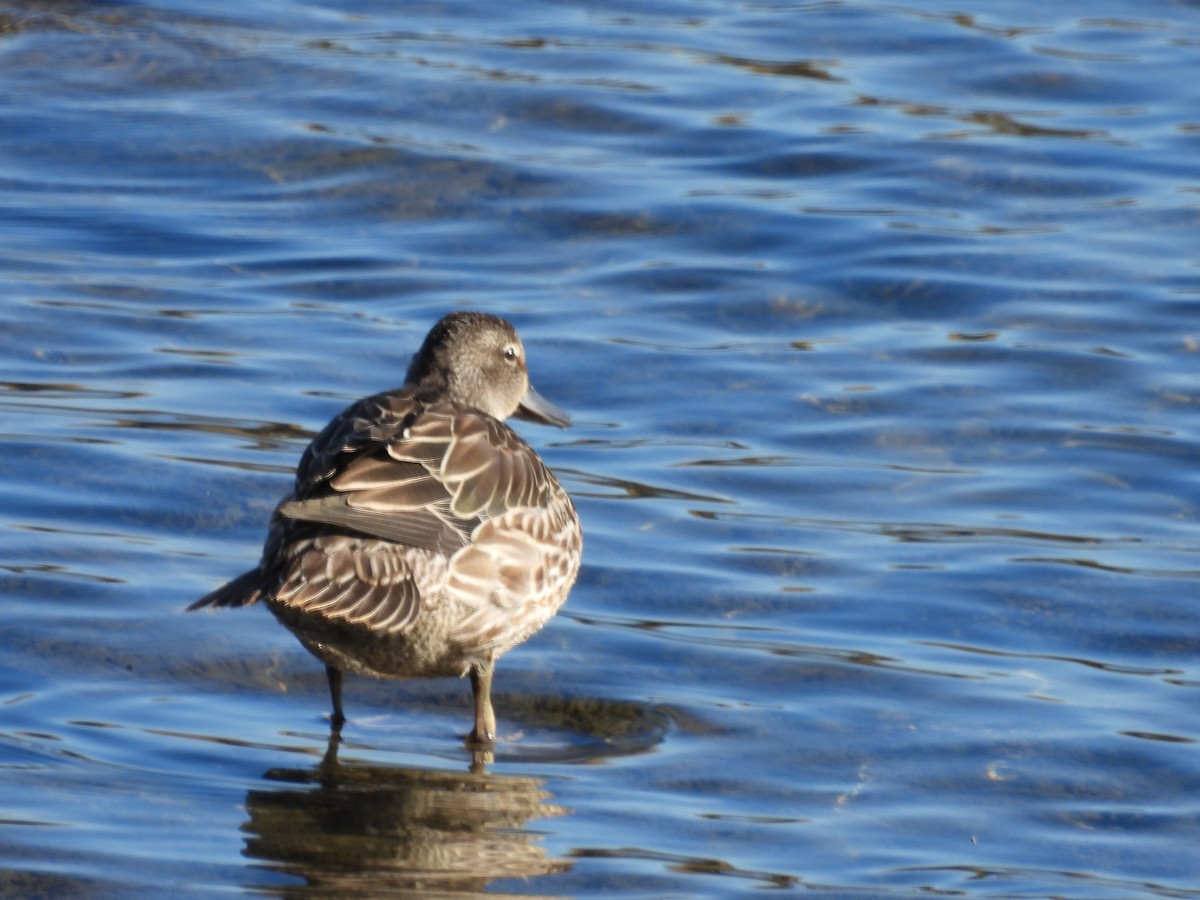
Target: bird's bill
[{"x": 536, "y": 408}]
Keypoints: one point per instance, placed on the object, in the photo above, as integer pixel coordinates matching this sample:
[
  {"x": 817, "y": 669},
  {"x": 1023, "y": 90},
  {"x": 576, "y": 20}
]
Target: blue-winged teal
[{"x": 423, "y": 536}]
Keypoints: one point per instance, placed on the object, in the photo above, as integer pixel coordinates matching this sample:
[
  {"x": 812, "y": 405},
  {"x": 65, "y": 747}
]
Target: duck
[{"x": 423, "y": 536}]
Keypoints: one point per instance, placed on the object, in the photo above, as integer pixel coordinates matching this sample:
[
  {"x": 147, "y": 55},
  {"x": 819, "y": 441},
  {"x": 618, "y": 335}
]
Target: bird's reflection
[{"x": 352, "y": 829}]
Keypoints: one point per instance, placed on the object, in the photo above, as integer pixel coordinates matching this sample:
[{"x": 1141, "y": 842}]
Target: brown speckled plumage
[{"x": 424, "y": 537}]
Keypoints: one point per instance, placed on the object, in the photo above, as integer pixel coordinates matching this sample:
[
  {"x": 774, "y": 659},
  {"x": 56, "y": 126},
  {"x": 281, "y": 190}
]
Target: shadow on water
[{"x": 349, "y": 828}]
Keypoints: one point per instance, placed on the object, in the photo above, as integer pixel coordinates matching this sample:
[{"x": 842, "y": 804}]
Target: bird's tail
[{"x": 244, "y": 590}]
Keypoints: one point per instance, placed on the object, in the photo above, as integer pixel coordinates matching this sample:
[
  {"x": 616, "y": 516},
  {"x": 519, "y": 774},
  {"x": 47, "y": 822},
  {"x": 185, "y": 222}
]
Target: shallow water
[{"x": 880, "y": 325}]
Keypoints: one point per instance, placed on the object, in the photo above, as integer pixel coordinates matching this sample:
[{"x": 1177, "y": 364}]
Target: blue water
[{"x": 880, "y": 326}]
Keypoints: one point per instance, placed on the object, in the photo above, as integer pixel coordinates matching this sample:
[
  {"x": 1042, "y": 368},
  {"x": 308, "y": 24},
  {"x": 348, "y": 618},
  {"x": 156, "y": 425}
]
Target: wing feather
[
  {"x": 352, "y": 580},
  {"x": 390, "y": 480}
]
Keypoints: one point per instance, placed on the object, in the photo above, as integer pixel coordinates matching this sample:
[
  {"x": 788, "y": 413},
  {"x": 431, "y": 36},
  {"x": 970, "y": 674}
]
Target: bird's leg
[
  {"x": 485, "y": 719},
  {"x": 338, "y": 719},
  {"x": 481, "y": 758},
  {"x": 329, "y": 762}
]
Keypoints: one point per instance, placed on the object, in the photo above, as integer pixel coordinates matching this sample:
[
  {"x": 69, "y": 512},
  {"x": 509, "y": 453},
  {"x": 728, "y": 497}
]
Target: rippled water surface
[{"x": 880, "y": 325}]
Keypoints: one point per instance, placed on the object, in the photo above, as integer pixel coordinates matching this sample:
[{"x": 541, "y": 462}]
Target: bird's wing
[
  {"x": 389, "y": 475},
  {"x": 420, "y": 475}
]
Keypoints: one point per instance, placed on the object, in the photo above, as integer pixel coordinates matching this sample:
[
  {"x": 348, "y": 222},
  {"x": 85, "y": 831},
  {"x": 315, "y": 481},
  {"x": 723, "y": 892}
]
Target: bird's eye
[{"x": 510, "y": 353}]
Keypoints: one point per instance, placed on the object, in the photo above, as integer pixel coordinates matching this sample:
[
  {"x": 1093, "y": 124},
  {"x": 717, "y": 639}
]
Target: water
[{"x": 880, "y": 327}]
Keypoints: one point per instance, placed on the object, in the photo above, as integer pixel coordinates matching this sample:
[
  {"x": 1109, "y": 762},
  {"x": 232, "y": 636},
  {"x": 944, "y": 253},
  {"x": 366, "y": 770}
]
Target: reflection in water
[
  {"x": 1055, "y": 657},
  {"x": 695, "y": 865},
  {"x": 621, "y": 488},
  {"x": 73, "y": 401},
  {"x": 359, "y": 830},
  {"x": 745, "y": 637},
  {"x": 800, "y": 68}
]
